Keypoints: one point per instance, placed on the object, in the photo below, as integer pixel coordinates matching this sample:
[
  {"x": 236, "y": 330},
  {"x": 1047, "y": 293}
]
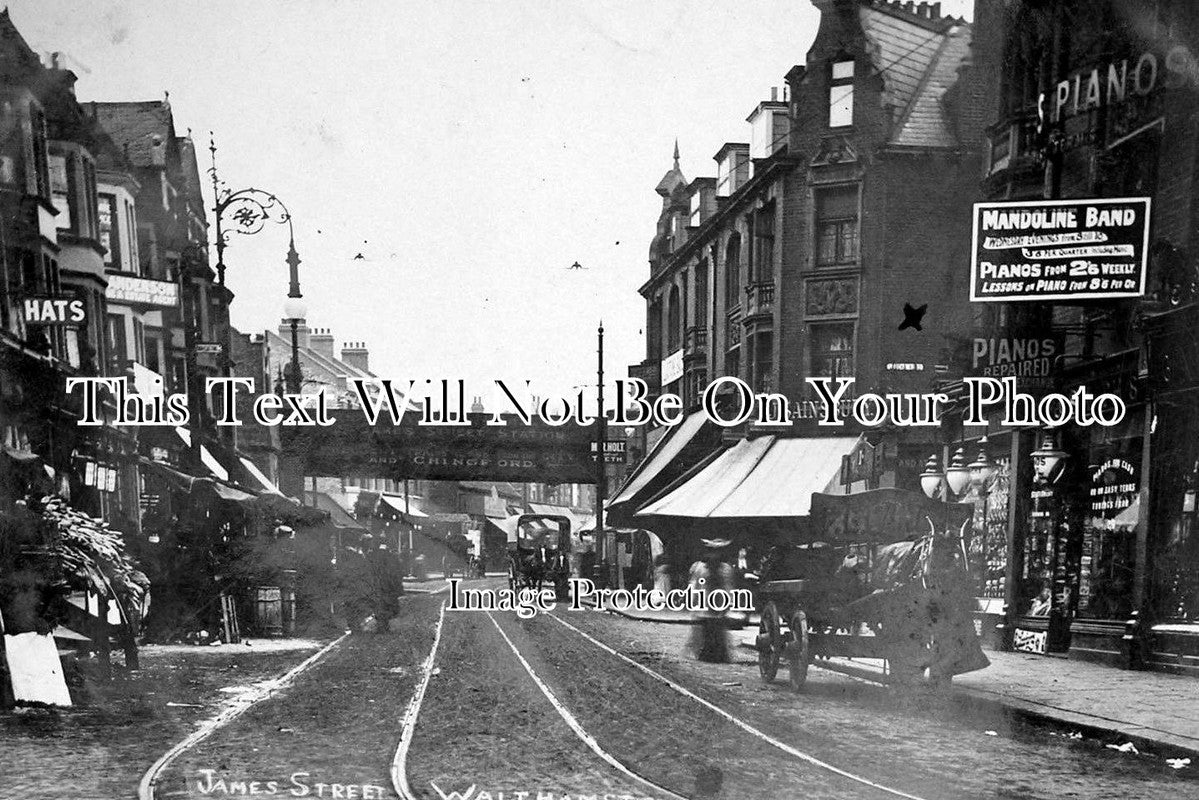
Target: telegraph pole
[{"x": 601, "y": 433}]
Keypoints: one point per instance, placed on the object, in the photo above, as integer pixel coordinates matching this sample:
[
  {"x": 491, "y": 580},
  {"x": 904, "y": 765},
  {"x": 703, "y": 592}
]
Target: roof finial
[{"x": 676, "y": 152}]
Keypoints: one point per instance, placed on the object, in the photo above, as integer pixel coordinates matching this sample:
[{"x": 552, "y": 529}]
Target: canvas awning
[
  {"x": 338, "y": 516},
  {"x": 396, "y": 503},
  {"x": 264, "y": 483},
  {"x": 206, "y": 456},
  {"x": 655, "y": 472},
  {"x": 764, "y": 477}
]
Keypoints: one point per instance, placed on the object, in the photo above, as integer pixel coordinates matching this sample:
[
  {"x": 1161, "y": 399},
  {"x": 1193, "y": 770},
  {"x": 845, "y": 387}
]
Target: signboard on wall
[
  {"x": 132, "y": 290},
  {"x": 1060, "y": 250},
  {"x": 672, "y": 367},
  {"x": 53, "y": 310},
  {"x": 1031, "y": 359}
]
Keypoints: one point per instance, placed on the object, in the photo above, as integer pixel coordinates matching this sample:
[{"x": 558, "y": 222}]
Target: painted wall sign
[
  {"x": 1115, "y": 82},
  {"x": 141, "y": 291},
  {"x": 1029, "y": 358},
  {"x": 49, "y": 310},
  {"x": 672, "y": 367},
  {"x": 516, "y": 452},
  {"x": 1060, "y": 250}
]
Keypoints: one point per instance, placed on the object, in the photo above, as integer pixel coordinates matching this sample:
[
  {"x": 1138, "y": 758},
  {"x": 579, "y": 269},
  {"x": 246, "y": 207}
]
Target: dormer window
[{"x": 840, "y": 93}]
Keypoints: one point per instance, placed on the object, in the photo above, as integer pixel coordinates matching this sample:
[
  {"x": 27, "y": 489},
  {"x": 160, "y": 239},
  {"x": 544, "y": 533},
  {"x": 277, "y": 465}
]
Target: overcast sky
[{"x": 471, "y": 151}]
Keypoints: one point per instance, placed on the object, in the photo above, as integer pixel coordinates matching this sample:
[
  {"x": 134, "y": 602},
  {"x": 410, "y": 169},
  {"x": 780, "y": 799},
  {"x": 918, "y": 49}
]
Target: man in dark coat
[{"x": 388, "y": 584}]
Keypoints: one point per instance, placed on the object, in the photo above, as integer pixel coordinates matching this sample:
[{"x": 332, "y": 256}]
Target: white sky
[{"x": 470, "y": 150}]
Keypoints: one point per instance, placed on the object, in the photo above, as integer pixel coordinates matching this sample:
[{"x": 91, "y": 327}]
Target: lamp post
[
  {"x": 294, "y": 311},
  {"x": 248, "y": 210}
]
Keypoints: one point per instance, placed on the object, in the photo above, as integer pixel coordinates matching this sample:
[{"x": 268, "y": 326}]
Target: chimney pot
[
  {"x": 934, "y": 10},
  {"x": 774, "y": 93}
]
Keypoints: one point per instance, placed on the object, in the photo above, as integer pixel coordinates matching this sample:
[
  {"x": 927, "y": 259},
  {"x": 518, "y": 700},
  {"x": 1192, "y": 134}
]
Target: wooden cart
[{"x": 881, "y": 575}]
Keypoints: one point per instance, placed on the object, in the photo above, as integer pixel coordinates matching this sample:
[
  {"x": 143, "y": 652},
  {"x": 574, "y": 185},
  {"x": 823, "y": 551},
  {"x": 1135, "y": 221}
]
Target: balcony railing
[
  {"x": 697, "y": 340},
  {"x": 759, "y": 298}
]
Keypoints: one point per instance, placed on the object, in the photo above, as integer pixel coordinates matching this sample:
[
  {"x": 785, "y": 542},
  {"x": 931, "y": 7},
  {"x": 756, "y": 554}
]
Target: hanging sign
[{"x": 1060, "y": 250}]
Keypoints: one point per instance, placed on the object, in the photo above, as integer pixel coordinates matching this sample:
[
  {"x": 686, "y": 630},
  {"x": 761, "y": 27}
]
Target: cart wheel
[
  {"x": 768, "y": 642},
  {"x": 799, "y": 651}
]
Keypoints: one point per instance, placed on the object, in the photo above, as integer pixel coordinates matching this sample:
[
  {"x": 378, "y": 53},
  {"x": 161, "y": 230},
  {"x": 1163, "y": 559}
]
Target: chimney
[
  {"x": 321, "y": 341},
  {"x": 356, "y": 355},
  {"x": 934, "y": 10},
  {"x": 302, "y": 334}
]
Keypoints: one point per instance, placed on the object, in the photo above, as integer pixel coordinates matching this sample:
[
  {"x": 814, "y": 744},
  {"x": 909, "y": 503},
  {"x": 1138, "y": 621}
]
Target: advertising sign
[
  {"x": 50, "y": 310},
  {"x": 133, "y": 290},
  {"x": 1029, "y": 358},
  {"x": 515, "y": 452},
  {"x": 614, "y": 451},
  {"x": 1060, "y": 250},
  {"x": 672, "y": 367}
]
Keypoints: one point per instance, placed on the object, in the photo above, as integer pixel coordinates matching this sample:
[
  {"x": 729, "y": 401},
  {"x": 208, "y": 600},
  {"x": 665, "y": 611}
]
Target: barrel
[{"x": 268, "y": 610}]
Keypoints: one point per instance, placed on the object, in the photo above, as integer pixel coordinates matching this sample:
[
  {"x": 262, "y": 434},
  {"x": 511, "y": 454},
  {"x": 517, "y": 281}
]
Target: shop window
[
  {"x": 840, "y": 94},
  {"x": 837, "y": 226},
  {"x": 831, "y": 351},
  {"x": 1108, "y": 556}
]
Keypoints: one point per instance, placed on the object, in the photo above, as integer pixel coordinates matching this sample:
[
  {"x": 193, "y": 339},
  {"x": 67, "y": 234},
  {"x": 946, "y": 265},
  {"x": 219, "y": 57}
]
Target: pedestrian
[
  {"x": 387, "y": 585},
  {"x": 709, "y": 574},
  {"x": 354, "y": 584}
]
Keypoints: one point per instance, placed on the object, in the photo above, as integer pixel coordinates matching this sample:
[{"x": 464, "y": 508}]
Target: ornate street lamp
[
  {"x": 958, "y": 474},
  {"x": 932, "y": 477},
  {"x": 982, "y": 469},
  {"x": 294, "y": 310}
]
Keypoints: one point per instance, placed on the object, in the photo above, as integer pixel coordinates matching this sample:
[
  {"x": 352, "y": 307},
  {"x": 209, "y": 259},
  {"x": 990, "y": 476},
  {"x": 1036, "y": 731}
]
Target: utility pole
[{"x": 601, "y": 433}]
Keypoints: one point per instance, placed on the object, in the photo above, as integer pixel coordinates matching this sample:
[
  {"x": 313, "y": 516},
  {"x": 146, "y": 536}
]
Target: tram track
[
  {"x": 149, "y": 780},
  {"x": 792, "y": 752}
]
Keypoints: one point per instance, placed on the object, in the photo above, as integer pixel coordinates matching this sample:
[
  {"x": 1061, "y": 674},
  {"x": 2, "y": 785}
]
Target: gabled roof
[
  {"x": 918, "y": 58},
  {"x": 136, "y": 126},
  {"x": 17, "y": 58}
]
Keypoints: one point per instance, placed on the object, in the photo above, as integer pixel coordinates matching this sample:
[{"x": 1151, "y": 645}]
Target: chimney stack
[
  {"x": 302, "y": 334},
  {"x": 321, "y": 341},
  {"x": 356, "y": 355}
]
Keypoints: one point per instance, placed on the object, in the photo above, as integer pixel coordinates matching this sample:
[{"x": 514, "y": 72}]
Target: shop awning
[
  {"x": 264, "y": 483},
  {"x": 764, "y": 477},
  {"x": 409, "y": 509},
  {"x": 206, "y": 456},
  {"x": 338, "y": 516},
  {"x": 664, "y": 462},
  {"x": 577, "y": 520},
  {"x": 227, "y": 492}
]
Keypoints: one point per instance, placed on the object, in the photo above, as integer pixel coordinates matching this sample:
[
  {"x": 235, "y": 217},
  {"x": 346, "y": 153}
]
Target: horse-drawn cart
[
  {"x": 540, "y": 552},
  {"x": 880, "y": 575}
]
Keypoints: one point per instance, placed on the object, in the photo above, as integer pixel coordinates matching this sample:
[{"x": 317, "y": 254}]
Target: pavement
[{"x": 1152, "y": 710}]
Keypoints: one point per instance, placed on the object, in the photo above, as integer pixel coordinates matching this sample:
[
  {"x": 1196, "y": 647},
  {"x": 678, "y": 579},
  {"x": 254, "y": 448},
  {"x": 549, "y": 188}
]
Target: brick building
[
  {"x": 851, "y": 199},
  {"x": 1101, "y": 100}
]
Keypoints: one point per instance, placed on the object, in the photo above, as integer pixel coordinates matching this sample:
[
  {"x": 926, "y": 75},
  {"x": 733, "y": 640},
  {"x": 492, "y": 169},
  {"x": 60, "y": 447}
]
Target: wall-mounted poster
[{"x": 1060, "y": 250}]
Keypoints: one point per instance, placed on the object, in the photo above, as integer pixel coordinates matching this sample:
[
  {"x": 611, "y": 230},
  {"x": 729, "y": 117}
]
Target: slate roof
[
  {"x": 134, "y": 125},
  {"x": 918, "y": 58}
]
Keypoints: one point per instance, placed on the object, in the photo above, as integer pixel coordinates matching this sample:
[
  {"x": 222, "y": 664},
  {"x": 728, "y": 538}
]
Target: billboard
[{"x": 1060, "y": 250}]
